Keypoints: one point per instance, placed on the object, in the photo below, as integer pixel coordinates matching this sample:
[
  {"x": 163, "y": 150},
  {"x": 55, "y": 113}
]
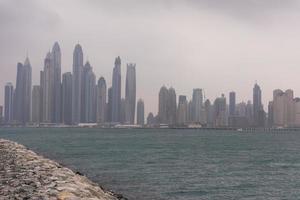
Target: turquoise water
[{"x": 175, "y": 164}]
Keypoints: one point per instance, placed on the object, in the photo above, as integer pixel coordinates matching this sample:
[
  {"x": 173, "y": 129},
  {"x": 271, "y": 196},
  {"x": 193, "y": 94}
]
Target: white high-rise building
[{"x": 101, "y": 101}]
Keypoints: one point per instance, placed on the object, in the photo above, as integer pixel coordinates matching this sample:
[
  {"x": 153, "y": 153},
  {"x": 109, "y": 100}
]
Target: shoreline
[{"x": 27, "y": 175}]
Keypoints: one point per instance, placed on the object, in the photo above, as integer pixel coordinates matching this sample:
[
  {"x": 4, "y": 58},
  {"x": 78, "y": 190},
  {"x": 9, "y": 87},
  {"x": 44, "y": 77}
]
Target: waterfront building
[
  {"x": 35, "y": 108},
  {"x": 232, "y": 104},
  {"x": 123, "y": 111},
  {"x": 67, "y": 84},
  {"x": 150, "y": 119},
  {"x": 270, "y": 114},
  {"x": 140, "y": 112},
  {"x": 220, "y": 112},
  {"x": 209, "y": 112},
  {"x": 88, "y": 97},
  {"x": 257, "y": 107},
  {"x": 163, "y": 105},
  {"x": 190, "y": 111},
  {"x": 182, "y": 110},
  {"x": 171, "y": 106},
  {"x": 22, "y": 104},
  {"x": 283, "y": 108},
  {"x": 56, "y": 61},
  {"x": 101, "y": 100},
  {"x": 116, "y": 91},
  {"x": 130, "y": 94},
  {"x": 249, "y": 113},
  {"x": 77, "y": 75},
  {"x": 8, "y": 103},
  {"x": 109, "y": 105},
  {"x": 197, "y": 105}
]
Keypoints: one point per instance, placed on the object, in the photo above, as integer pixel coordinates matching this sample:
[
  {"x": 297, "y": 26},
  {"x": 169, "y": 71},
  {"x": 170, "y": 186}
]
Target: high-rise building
[
  {"x": 116, "y": 91},
  {"x": 76, "y": 93},
  {"x": 283, "y": 108},
  {"x": 171, "y": 106},
  {"x": 220, "y": 112},
  {"x": 232, "y": 104},
  {"x": 140, "y": 112},
  {"x": 67, "y": 84},
  {"x": 48, "y": 89},
  {"x": 197, "y": 105},
  {"x": 88, "y": 95},
  {"x": 270, "y": 114},
  {"x": 257, "y": 106},
  {"x": 35, "y": 108},
  {"x": 182, "y": 110},
  {"x": 101, "y": 101},
  {"x": 109, "y": 105},
  {"x": 209, "y": 113},
  {"x": 249, "y": 113},
  {"x": 56, "y": 61},
  {"x": 8, "y": 103},
  {"x": 130, "y": 94},
  {"x": 190, "y": 111},
  {"x": 23, "y": 93},
  {"x": 122, "y": 111},
  {"x": 163, "y": 105},
  {"x": 150, "y": 119}
]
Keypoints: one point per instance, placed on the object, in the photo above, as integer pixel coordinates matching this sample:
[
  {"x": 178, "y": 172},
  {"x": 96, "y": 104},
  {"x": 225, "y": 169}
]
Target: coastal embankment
[{"x": 26, "y": 175}]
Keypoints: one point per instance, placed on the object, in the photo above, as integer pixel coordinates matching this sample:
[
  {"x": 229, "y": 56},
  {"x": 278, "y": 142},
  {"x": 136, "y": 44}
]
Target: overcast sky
[{"x": 217, "y": 45}]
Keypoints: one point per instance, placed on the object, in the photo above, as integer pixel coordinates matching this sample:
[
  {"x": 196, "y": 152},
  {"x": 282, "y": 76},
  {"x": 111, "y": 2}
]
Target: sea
[{"x": 187, "y": 164}]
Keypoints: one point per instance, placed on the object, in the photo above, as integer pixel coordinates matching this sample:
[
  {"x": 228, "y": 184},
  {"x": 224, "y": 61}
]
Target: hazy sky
[{"x": 217, "y": 45}]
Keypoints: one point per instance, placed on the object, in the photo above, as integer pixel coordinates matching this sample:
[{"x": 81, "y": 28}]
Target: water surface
[{"x": 175, "y": 164}]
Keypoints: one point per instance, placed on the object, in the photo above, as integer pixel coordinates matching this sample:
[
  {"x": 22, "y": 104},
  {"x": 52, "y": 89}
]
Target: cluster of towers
[
  {"x": 73, "y": 97},
  {"x": 200, "y": 111},
  {"x": 78, "y": 97}
]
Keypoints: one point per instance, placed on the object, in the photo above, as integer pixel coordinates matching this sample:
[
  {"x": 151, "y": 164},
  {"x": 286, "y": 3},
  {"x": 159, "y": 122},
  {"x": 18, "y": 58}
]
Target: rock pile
[{"x": 26, "y": 175}]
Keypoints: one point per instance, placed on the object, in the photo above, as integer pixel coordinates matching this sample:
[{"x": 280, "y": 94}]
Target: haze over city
[{"x": 219, "y": 46}]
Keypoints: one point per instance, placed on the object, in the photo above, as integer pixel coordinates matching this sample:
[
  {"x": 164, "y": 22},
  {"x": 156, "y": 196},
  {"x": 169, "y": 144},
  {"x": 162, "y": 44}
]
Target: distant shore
[{"x": 26, "y": 175}]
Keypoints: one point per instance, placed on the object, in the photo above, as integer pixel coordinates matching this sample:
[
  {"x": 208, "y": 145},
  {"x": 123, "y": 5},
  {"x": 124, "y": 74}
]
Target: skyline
[{"x": 177, "y": 45}]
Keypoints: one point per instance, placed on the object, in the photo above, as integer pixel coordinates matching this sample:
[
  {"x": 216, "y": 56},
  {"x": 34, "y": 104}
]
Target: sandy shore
[{"x": 26, "y": 175}]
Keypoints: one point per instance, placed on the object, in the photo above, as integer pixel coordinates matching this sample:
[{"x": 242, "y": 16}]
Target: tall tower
[
  {"x": 140, "y": 112},
  {"x": 23, "y": 92},
  {"x": 130, "y": 94},
  {"x": 101, "y": 100},
  {"x": 88, "y": 97},
  {"x": 36, "y": 101},
  {"x": 182, "y": 110},
  {"x": 171, "y": 106},
  {"x": 116, "y": 91},
  {"x": 197, "y": 105},
  {"x": 76, "y": 93},
  {"x": 232, "y": 103},
  {"x": 56, "y": 61},
  {"x": 109, "y": 105},
  {"x": 163, "y": 105},
  {"x": 257, "y": 105},
  {"x": 8, "y": 103},
  {"x": 67, "y": 98}
]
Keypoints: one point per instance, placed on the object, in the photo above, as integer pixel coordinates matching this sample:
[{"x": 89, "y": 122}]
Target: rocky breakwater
[{"x": 26, "y": 175}]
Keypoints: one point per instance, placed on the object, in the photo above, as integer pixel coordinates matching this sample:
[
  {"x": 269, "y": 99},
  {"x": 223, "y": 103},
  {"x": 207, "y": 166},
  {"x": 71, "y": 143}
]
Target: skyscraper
[
  {"x": 67, "y": 85},
  {"x": 23, "y": 93},
  {"x": 171, "y": 106},
  {"x": 197, "y": 105},
  {"x": 163, "y": 105},
  {"x": 220, "y": 111},
  {"x": 209, "y": 113},
  {"x": 56, "y": 61},
  {"x": 35, "y": 108},
  {"x": 109, "y": 105},
  {"x": 101, "y": 101},
  {"x": 48, "y": 89},
  {"x": 76, "y": 93},
  {"x": 88, "y": 101},
  {"x": 150, "y": 119},
  {"x": 232, "y": 104},
  {"x": 140, "y": 112},
  {"x": 182, "y": 110},
  {"x": 116, "y": 91},
  {"x": 8, "y": 103},
  {"x": 257, "y": 105},
  {"x": 130, "y": 94},
  {"x": 1, "y": 115}
]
